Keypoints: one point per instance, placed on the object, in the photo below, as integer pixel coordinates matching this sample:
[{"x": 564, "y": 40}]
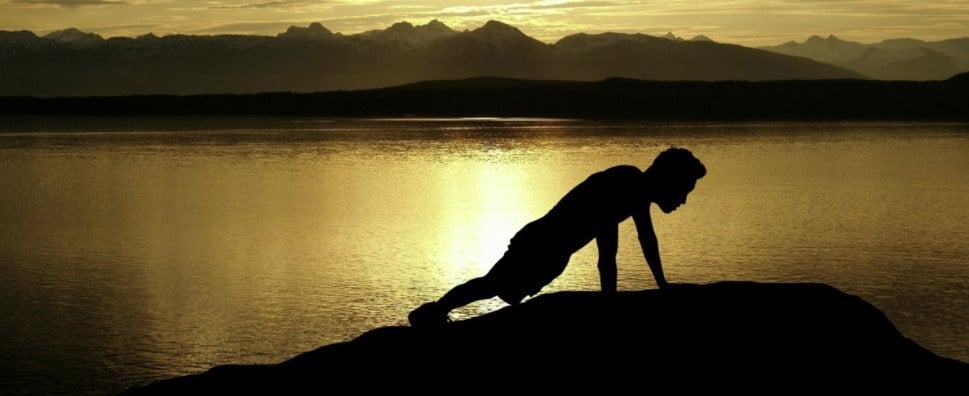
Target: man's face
[{"x": 671, "y": 198}]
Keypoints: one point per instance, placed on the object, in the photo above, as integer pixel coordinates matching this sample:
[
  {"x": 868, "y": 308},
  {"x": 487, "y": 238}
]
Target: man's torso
[{"x": 603, "y": 200}]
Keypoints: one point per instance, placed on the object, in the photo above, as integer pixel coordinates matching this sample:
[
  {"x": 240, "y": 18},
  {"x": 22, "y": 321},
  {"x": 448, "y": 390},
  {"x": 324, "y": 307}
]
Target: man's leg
[
  {"x": 473, "y": 290},
  {"x": 436, "y": 313}
]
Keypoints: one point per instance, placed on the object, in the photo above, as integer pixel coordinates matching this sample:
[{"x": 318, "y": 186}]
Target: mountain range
[
  {"x": 306, "y": 59},
  {"x": 896, "y": 59}
]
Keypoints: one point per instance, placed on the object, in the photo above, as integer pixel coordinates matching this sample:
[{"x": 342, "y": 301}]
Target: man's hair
[{"x": 677, "y": 163}]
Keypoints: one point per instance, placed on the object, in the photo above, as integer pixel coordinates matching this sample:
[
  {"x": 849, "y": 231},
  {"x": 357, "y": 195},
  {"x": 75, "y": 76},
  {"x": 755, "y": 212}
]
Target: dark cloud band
[{"x": 72, "y": 3}]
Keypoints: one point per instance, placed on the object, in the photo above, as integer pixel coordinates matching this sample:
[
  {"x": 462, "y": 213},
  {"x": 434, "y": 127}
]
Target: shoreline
[{"x": 611, "y": 99}]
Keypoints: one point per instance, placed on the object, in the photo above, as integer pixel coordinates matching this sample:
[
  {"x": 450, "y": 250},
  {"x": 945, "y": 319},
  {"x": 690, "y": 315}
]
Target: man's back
[{"x": 602, "y": 200}]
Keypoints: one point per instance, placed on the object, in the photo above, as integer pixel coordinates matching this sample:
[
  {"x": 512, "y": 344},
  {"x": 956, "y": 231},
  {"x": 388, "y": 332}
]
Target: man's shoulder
[
  {"x": 621, "y": 175},
  {"x": 625, "y": 168},
  {"x": 623, "y": 171}
]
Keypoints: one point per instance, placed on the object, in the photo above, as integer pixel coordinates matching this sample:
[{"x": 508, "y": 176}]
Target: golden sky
[{"x": 748, "y": 22}]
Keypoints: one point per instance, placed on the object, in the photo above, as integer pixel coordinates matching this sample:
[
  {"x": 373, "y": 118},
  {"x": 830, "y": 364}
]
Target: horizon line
[{"x": 205, "y": 32}]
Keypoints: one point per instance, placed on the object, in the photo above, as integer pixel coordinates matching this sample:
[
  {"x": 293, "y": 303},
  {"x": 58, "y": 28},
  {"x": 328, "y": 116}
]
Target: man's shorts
[{"x": 524, "y": 272}]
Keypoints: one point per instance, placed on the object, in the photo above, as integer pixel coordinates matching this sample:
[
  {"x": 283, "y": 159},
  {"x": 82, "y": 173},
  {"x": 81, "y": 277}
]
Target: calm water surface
[{"x": 140, "y": 249}]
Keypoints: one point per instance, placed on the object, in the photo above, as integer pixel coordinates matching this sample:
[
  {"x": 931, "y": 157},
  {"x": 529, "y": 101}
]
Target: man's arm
[
  {"x": 607, "y": 241},
  {"x": 647, "y": 240}
]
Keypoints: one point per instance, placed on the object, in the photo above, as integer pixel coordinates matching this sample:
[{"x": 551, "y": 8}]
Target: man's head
[{"x": 674, "y": 173}]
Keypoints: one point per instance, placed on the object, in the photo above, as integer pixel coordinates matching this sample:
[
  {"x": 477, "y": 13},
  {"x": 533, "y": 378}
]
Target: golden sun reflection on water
[
  {"x": 483, "y": 205},
  {"x": 139, "y": 256},
  {"x": 479, "y": 219}
]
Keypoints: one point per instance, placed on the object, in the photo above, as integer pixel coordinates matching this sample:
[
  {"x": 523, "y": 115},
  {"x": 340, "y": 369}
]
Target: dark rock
[{"x": 727, "y": 335}]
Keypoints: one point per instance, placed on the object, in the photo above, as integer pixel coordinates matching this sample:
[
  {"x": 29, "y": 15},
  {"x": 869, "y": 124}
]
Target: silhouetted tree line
[{"x": 612, "y": 98}]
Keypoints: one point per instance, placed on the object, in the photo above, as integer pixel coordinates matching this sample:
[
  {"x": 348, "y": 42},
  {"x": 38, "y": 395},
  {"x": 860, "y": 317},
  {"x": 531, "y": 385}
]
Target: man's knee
[{"x": 512, "y": 297}]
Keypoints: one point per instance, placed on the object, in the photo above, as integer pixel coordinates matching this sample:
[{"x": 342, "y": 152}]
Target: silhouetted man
[{"x": 539, "y": 252}]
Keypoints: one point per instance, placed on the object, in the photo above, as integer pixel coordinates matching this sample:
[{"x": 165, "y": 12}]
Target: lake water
[{"x": 133, "y": 250}]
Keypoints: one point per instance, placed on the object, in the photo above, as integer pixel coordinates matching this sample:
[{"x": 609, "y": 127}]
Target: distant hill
[
  {"x": 896, "y": 59},
  {"x": 71, "y": 62},
  {"x": 612, "y": 98}
]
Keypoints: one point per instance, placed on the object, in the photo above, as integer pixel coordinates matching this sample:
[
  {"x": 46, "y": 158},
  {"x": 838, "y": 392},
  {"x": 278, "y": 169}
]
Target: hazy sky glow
[{"x": 748, "y": 22}]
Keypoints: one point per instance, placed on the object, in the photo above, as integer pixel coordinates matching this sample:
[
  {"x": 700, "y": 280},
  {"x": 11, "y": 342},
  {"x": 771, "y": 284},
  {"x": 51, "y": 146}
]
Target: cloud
[
  {"x": 143, "y": 27},
  {"x": 265, "y": 28},
  {"x": 71, "y": 3},
  {"x": 547, "y": 5},
  {"x": 468, "y": 16},
  {"x": 277, "y": 4},
  {"x": 536, "y": 7}
]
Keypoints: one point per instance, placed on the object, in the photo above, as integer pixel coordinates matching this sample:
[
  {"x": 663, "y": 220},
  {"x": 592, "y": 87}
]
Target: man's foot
[{"x": 428, "y": 315}]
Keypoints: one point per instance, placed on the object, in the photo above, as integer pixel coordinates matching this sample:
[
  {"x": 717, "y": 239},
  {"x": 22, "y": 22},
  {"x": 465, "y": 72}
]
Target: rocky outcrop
[{"x": 729, "y": 335}]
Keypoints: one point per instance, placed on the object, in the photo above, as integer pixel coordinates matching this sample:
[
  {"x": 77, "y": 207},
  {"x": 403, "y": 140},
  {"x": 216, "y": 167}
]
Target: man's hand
[{"x": 607, "y": 240}]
